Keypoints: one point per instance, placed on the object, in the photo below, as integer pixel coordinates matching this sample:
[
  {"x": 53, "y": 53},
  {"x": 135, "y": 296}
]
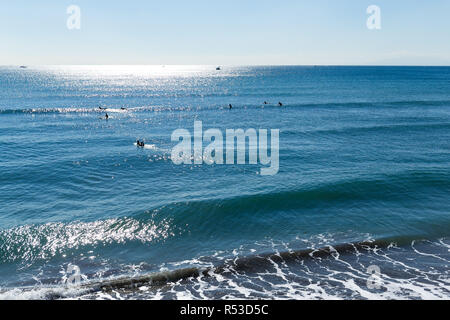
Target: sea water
[{"x": 364, "y": 156}]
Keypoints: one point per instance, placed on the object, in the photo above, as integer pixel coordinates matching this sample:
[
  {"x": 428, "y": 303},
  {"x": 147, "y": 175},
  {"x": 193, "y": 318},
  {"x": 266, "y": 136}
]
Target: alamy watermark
[
  {"x": 191, "y": 150},
  {"x": 374, "y": 20},
  {"x": 74, "y": 19},
  {"x": 72, "y": 276},
  {"x": 374, "y": 281}
]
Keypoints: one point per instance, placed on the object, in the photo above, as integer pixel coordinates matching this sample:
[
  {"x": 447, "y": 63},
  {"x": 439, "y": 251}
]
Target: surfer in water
[
  {"x": 265, "y": 102},
  {"x": 101, "y": 108},
  {"x": 122, "y": 108},
  {"x": 280, "y": 104},
  {"x": 106, "y": 116},
  {"x": 140, "y": 143},
  {"x": 230, "y": 106}
]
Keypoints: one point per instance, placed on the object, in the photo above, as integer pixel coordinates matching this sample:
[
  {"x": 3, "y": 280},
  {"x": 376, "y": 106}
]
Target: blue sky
[{"x": 413, "y": 32}]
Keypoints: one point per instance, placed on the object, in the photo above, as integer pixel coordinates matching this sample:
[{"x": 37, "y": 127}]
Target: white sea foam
[
  {"x": 338, "y": 276},
  {"x": 148, "y": 146}
]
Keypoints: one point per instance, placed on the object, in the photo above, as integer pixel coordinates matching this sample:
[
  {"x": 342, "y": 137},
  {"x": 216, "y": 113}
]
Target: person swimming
[
  {"x": 280, "y": 104},
  {"x": 230, "y": 106},
  {"x": 265, "y": 102}
]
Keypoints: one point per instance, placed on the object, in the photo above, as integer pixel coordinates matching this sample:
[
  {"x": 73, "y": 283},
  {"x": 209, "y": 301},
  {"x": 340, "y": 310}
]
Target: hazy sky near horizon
[{"x": 232, "y": 32}]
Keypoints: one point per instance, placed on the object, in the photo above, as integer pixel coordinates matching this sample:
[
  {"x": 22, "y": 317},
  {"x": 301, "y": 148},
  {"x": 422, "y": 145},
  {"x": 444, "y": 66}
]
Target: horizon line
[{"x": 235, "y": 65}]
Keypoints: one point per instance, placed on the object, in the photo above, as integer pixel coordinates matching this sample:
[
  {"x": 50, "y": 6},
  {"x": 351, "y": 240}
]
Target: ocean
[{"x": 359, "y": 208}]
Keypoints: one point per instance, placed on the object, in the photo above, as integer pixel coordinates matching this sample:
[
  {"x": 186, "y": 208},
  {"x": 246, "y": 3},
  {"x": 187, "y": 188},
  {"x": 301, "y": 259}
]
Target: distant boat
[
  {"x": 218, "y": 68},
  {"x": 23, "y": 67}
]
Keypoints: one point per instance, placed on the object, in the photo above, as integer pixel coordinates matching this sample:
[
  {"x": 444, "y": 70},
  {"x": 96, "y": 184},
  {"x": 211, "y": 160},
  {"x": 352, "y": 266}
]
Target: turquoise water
[{"x": 364, "y": 155}]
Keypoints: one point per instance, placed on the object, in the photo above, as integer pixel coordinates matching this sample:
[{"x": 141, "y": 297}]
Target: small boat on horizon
[
  {"x": 23, "y": 67},
  {"x": 218, "y": 68}
]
